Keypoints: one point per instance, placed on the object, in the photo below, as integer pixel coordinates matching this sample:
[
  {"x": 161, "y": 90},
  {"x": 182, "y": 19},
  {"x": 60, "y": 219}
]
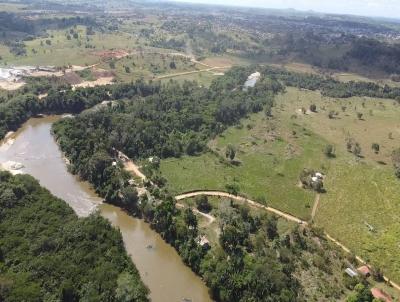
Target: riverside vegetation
[{"x": 47, "y": 253}]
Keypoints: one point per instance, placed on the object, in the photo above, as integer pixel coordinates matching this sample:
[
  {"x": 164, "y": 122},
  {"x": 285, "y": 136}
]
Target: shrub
[
  {"x": 202, "y": 204},
  {"x": 329, "y": 151},
  {"x": 375, "y": 147}
]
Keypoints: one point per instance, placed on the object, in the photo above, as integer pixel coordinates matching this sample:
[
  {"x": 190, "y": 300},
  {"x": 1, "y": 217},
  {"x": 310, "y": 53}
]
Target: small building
[
  {"x": 203, "y": 241},
  {"x": 351, "y": 272},
  {"x": 319, "y": 175},
  {"x": 364, "y": 271},
  {"x": 379, "y": 294}
]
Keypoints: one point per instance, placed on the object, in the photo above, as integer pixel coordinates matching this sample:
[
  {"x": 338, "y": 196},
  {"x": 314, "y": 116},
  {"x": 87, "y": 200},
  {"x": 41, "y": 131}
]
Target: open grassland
[
  {"x": 270, "y": 162},
  {"x": 203, "y": 78},
  {"x": 149, "y": 65},
  {"x": 225, "y": 60},
  {"x": 379, "y": 123},
  {"x": 127, "y": 55},
  {"x": 62, "y": 48},
  {"x": 11, "y": 7},
  {"x": 361, "y": 192}
]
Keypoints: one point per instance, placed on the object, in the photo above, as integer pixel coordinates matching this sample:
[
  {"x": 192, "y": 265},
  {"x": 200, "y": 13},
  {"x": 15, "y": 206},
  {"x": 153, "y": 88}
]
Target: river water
[{"x": 160, "y": 267}]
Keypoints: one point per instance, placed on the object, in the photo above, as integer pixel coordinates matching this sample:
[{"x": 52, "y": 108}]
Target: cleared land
[{"x": 360, "y": 191}]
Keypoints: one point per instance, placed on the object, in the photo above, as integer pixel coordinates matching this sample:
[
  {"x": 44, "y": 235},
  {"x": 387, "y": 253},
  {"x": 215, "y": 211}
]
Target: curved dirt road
[
  {"x": 133, "y": 168},
  {"x": 242, "y": 199},
  {"x": 278, "y": 213}
]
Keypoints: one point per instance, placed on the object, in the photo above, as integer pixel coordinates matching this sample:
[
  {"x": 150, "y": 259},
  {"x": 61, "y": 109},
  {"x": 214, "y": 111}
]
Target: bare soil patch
[
  {"x": 10, "y": 85},
  {"x": 98, "y": 82},
  {"x": 110, "y": 54},
  {"x": 101, "y": 73},
  {"x": 72, "y": 78}
]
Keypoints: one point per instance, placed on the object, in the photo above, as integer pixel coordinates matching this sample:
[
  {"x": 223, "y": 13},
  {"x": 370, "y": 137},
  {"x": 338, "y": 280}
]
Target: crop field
[{"x": 361, "y": 203}]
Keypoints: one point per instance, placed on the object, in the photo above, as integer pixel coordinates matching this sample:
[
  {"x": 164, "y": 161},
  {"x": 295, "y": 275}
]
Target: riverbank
[{"x": 160, "y": 266}]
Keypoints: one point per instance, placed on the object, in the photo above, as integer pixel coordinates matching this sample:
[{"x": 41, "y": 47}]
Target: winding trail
[
  {"x": 209, "y": 217},
  {"x": 315, "y": 207}
]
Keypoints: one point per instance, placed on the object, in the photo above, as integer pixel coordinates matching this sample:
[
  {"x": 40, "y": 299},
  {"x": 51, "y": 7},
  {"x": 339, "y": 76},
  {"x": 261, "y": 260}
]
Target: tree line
[
  {"x": 22, "y": 105},
  {"x": 330, "y": 87}
]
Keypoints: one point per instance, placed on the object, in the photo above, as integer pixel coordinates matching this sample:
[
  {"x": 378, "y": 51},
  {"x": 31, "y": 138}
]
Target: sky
[{"x": 378, "y": 8}]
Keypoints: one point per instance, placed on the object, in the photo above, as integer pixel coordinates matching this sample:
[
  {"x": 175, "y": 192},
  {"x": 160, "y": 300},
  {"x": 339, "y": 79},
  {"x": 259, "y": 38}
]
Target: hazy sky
[{"x": 385, "y": 8}]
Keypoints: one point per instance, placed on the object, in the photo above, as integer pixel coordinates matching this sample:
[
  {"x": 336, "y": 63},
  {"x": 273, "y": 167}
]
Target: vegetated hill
[
  {"x": 14, "y": 28},
  {"x": 366, "y": 56},
  {"x": 47, "y": 253}
]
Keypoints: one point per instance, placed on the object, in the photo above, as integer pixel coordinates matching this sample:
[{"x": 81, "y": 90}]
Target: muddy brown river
[{"x": 160, "y": 267}]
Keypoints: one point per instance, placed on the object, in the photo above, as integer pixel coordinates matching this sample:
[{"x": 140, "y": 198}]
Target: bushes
[
  {"x": 202, "y": 204},
  {"x": 329, "y": 151},
  {"x": 396, "y": 161}
]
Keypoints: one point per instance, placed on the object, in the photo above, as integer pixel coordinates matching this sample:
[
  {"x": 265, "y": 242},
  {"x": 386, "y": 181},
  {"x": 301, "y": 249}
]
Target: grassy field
[
  {"x": 60, "y": 48},
  {"x": 12, "y": 7},
  {"x": 148, "y": 66},
  {"x": 203, "y": 78},
  {"x": 360, "y": 191},
  {"x": 271, "y": 160}
]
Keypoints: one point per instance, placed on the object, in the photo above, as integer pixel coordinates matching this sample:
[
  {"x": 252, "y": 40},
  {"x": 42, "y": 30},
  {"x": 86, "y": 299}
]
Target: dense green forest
[{"x": 47, "y": 253}]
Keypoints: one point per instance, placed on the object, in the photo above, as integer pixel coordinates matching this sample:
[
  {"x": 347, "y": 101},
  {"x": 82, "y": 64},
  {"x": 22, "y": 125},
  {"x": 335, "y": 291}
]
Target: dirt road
[
  {"x": 133, "y": 168},
  {"x": 209, "y": 217},
  {"x": 242, "y": 199},
  {"x": 130, "y": 166},
  {"x": 280, "y": 214},
  {"x": 171, "y": 75}
]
